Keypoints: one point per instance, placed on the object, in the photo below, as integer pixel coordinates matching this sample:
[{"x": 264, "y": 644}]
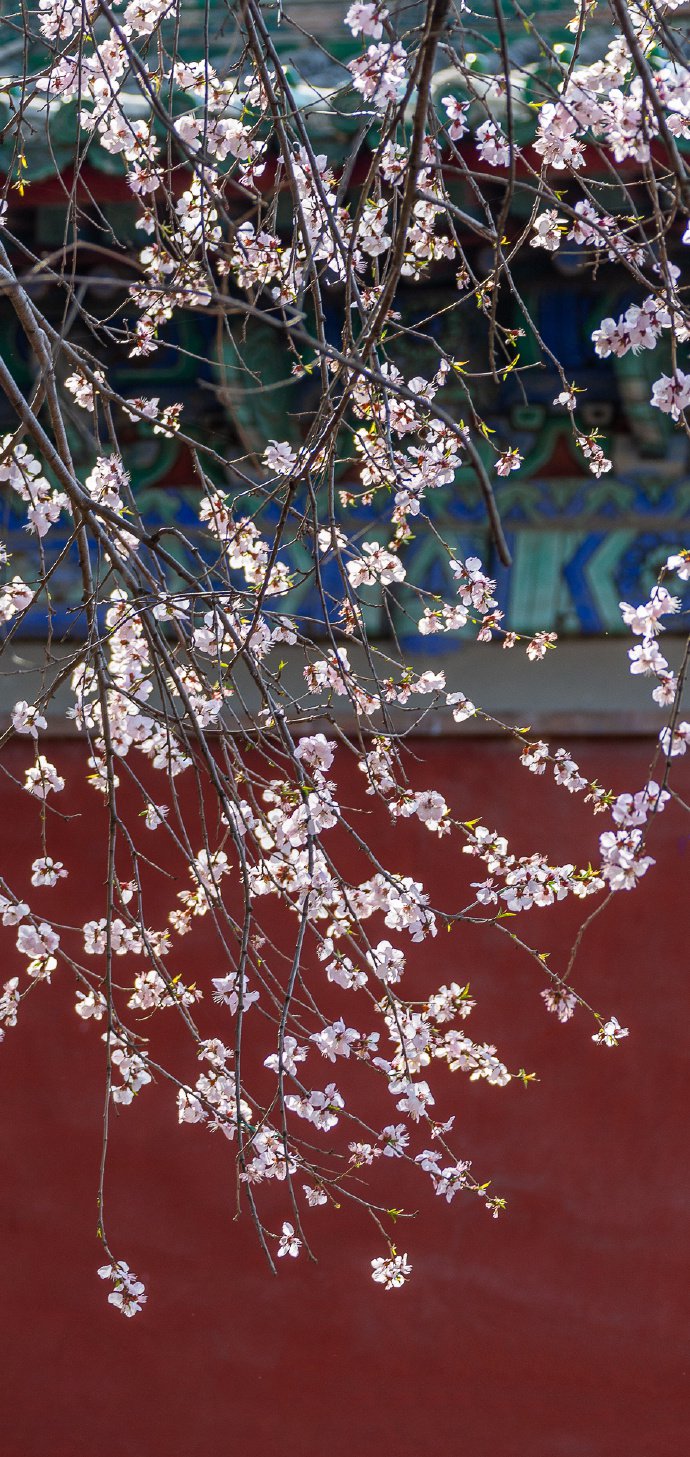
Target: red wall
[{"x": 556, "y": 1331}]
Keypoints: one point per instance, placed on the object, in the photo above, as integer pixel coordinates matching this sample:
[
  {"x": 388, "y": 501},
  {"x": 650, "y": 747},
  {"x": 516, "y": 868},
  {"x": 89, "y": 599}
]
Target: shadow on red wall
[{"x": 557, "y": 1331}]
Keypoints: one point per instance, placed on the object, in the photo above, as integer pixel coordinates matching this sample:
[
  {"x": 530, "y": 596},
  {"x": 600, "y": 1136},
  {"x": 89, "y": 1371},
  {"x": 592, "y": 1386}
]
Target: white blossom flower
[
  {"x": 610, "y": 1033},
  {"x": 316, "y": 752},
  {"x": 154, "y": 815},
  {"x": 391, "y": 1272},
  {"x": 560, "y": 1001},
  {"x": 128, "y": 1294},
  {"x": 43, "y": 779},
  {"x": 366, "y": 17},
  {"x": 91, "y": 1004},
  {"x": 289, "y": 1243},
  {"x": 671, "y": 393},
  {"x": 380, "y": 75},
  {"x": 280, "y": 457},
  {"x": 314, "y": 1197},
  {"x": 27, "y": 719},
  {"x": 548, "y": 230},
  {"x": 46, "y": 871}
]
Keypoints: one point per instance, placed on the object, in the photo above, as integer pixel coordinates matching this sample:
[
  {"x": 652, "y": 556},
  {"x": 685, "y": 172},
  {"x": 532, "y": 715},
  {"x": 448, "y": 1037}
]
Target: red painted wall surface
[{"x": 558, "y": 1331}]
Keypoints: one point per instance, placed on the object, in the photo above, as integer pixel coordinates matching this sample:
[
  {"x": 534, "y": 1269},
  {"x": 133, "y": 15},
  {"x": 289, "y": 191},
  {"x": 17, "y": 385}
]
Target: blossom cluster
[{"x": 199, "y": 679}]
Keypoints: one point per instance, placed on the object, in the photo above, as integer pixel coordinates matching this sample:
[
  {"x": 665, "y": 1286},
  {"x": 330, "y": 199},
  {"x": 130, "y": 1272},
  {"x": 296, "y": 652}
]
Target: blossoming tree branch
[{"x": 463, "y": 159}]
